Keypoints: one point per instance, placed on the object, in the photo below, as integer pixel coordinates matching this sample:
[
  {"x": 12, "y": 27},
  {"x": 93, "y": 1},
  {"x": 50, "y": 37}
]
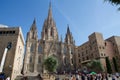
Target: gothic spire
[
  {"x": 50, "y": 4},
  {"x": 68, "y": 38},
  {"x": 33, "y": 27},
  {"x": 34, "y": 22},
  {"x": 33, "y": 30},
  {"x": 49, "y": 31},
  {"x": 68, "y": 30},
  {"x": 50, "y": 12}
]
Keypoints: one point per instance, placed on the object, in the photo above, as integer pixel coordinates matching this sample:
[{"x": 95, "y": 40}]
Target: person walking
[{"x": 8, "y": 78}]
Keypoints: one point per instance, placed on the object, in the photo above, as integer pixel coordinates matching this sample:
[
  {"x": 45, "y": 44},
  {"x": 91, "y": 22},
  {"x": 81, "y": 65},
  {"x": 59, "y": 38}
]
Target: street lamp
[{"x": 4, "y": 56}]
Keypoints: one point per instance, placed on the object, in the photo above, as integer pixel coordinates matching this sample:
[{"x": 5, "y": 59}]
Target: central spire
[
  {"x": 50, "y": 12},
  {"x": 49, "y": 31},
  {"x": 68, "y": 30}
]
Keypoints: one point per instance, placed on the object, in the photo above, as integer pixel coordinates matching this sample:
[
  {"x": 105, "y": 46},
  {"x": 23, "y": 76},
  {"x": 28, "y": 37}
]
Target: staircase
[{"x": 44, "y": 76}]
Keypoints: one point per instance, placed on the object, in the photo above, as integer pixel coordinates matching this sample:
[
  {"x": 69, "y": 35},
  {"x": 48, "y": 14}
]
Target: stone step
[{"x": 44, "y": 76}]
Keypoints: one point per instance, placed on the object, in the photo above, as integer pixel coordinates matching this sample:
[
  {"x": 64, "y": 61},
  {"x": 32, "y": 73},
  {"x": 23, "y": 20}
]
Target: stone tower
[
  {"x": 69, "y": 38},
  {"x": 49, "y": 31},
  {"x": 49, "y": 45},
  {"x": 70, "y": 50},
  {"x": 31, "y": 50}
]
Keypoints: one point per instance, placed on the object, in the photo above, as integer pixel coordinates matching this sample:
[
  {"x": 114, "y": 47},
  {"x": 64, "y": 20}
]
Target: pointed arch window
[
  {"x": 71, "y": 61},
  {"x": 39, "y": 59},
  {"x": 65, "y": 61},
  {"x": 58, "y": 47},
  {"x": 52, "y": 31},
  {"x": 33, "y": 35},
  {"x": 32, "y": 48},
  {"x": 30, "y": 59},
  {"x": 72, "y": 51},
  {"x": 45, "y": 31},
  {"x": 39, "y": 49},
  {"x": 65, "y": 50}
]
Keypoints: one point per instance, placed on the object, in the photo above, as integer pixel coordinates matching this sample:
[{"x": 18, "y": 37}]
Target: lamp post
[{"x": 4, "y": 56}]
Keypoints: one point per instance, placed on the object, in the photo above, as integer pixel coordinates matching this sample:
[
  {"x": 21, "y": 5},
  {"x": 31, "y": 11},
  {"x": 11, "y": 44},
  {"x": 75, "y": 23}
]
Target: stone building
[
  {"x": 49, "y": 45},
  {"x": 97, "y": 48},
  {"x": 70, "y": 57},
  {"x": 14, "y": 58}
]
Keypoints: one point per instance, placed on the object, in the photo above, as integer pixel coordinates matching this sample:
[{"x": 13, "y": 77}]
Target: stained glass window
[
  {"x": 65, "y": 50},
  {"x": 30, "y": 59},
  {"x": 39, "y": 49},
  {"x": 32, "y": 48},
  {"x": 39, "y": 59}
]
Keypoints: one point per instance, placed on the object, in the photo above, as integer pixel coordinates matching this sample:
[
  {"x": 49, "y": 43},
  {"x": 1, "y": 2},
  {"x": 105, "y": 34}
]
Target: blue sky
[{"x": 83, "y": 16}]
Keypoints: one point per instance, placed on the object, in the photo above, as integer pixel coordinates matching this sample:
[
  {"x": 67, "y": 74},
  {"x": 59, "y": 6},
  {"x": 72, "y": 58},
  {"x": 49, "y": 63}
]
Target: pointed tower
[
  {"x": 69, "y": 37},
  {"x": 49, "y": 31},
  {"x": 32, "y": 34},
  {"x": 31, "y": 48}
]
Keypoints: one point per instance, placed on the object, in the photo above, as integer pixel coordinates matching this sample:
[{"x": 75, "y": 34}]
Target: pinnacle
[
  {"x": 33, "y": 27},
  {"x": 68, "y": 30},
  {"x": 50, "y": 12},
  {"x": 34, "y": 22}
]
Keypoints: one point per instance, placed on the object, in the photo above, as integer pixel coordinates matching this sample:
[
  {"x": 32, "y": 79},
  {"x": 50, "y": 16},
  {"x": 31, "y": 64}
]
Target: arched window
[
  {"x": 30, "y": 59},
  {"x": 65, "y": 61},
  {"x": 32, "y": 48},
  {"x": 39, "y": 59},
  {"x": 71, "y": 61},
  {"x": 33, "y": 35},
  {"x": 65, "y": 50},
  {"x": 45, "y": 31},
  {"x": 52, "y": 32},
  {"x": 39, "y": 49},
  {"x": 58, "y": 47}
]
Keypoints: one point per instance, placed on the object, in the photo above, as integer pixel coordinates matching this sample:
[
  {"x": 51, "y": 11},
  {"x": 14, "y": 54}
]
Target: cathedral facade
[
  {"x": 49, "y": 45},
  {"x": 70, "y": 57}
]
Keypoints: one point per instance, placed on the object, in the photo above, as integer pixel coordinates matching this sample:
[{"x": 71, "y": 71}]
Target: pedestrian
[
  {"x": 83, "y": 77},
  {"x": 77, "y": 77},
  {"x": 8, "y": 78},
  {"x": 73, "y": 78},
  {"x": 39, "y": 76},
  {"x": 109, "y": 77}
]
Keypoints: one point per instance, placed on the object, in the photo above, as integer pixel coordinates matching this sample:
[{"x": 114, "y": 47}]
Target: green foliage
[
  {"x": 115, "y": 64},
  {"x": 50, "y": 64},
  {"x": 116, "y": 2},
  {"x": 95, "y": 65},
  {"x": 108, "y": 65}
]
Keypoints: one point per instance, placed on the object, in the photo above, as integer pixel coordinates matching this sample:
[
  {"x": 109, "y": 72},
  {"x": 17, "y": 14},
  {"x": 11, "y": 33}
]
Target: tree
[
  {"x": 95, "y": 65},
  {"x": 108, "y": 65},
  {"x": 50, "y": 64},
  {"x": 114, "y": 2},
  {"x": 115, "y": 64}
]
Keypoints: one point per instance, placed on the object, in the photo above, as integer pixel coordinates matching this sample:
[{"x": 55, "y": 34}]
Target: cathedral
[
  {"x": 69, "y": 56},
  {"x": 49, "y": 45}
]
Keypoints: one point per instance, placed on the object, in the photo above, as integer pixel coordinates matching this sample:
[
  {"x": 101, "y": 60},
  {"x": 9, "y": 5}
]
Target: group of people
[
  {"x": 100, "y": 76},
  {"x": 4, "y": 77},
  {"x": 8, "y": 78}
]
